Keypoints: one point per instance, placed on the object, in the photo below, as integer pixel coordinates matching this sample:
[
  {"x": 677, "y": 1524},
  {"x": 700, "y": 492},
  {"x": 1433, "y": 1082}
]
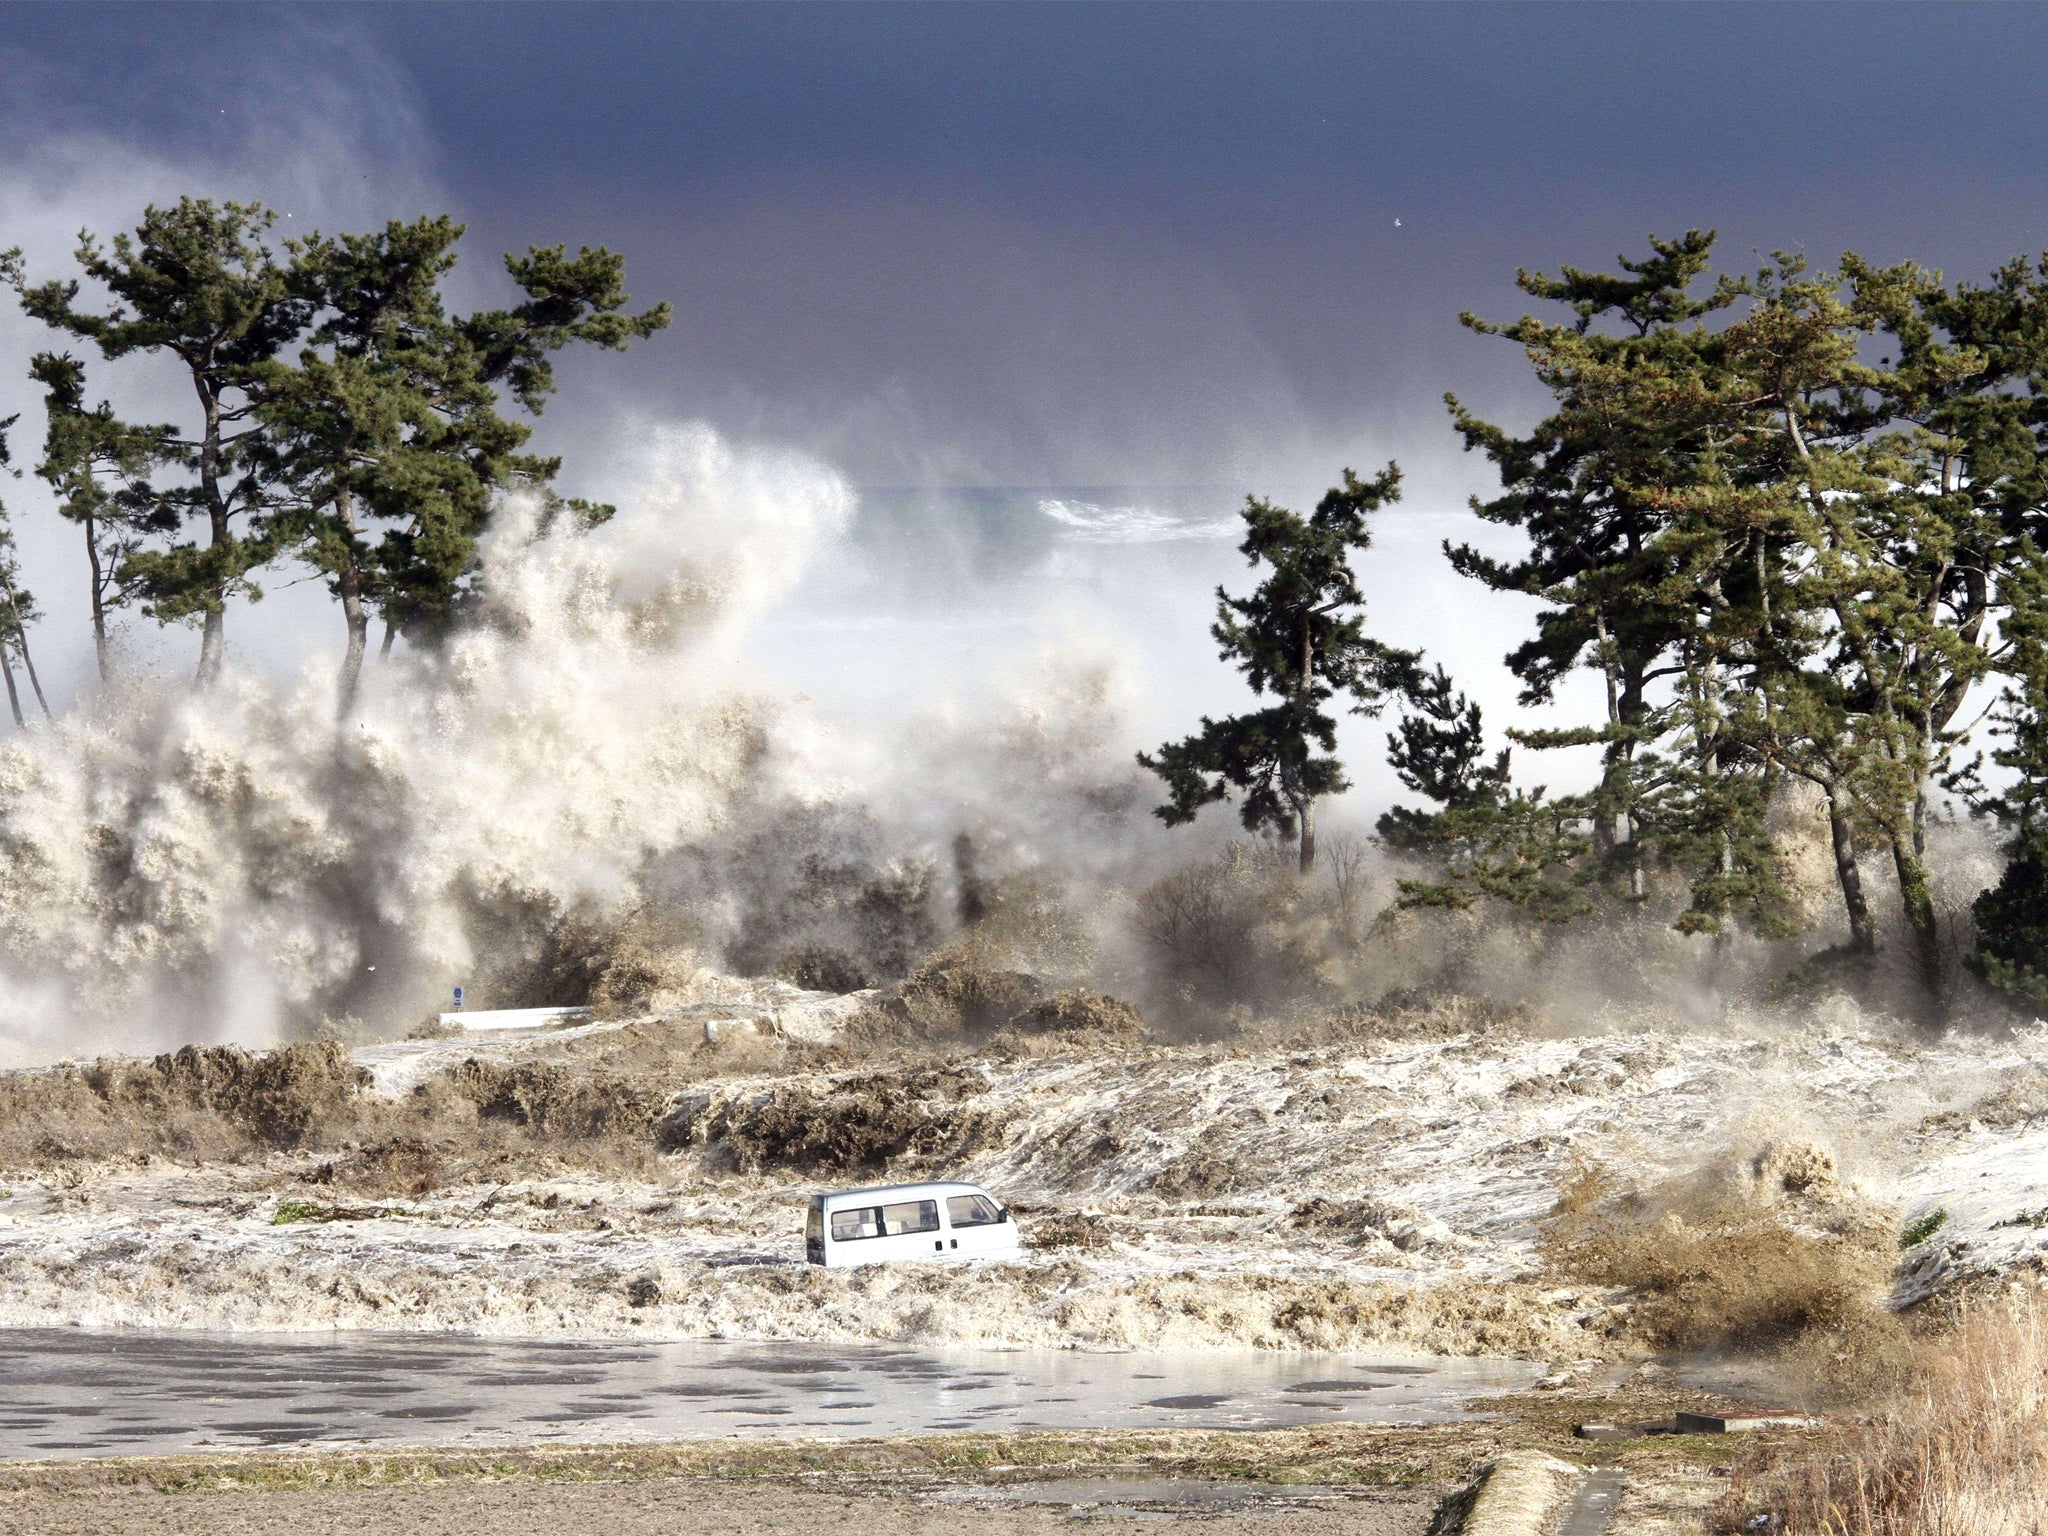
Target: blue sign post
[{"x": 458, "y": 999}]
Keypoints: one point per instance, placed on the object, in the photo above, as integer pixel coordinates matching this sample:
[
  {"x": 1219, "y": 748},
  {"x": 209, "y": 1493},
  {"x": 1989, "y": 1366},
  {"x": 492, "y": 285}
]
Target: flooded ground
[
  {"x": 1369, "y": 1195},
  {"x": 74, "y": 1392}
]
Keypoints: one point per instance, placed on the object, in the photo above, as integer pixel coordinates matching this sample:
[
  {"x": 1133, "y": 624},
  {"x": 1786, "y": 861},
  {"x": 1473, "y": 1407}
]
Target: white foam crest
[{"x": 1089, "y": 522}]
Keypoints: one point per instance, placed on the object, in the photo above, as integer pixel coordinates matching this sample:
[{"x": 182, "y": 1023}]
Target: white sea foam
[{"x": 1088, "y": 522}]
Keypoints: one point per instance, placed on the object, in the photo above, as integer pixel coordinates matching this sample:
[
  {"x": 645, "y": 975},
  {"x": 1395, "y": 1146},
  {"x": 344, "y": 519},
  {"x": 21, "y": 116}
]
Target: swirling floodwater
[{"x": 78, "y": 1392}]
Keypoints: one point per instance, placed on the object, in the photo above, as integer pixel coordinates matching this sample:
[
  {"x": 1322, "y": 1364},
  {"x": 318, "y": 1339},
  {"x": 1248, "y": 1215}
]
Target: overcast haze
[{"x": 1151, "y": 253}]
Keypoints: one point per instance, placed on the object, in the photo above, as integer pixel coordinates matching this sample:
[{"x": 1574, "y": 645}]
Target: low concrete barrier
[
  {"x": 510, "y": 1018},
  {"x": 1513, "y": 1495}
]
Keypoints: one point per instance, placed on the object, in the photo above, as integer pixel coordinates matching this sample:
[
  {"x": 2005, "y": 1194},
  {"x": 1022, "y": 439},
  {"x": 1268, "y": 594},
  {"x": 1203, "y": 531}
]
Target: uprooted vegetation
[
  {"x": 1770, "y": 1252},
  {"x": 614, "y": 1104},
  {"x": 199, "y": 1101},
  {"x": 865, "y": 1122},
  {"x": 225, "y": 1103},
  {"x": 966, "y": 995}
]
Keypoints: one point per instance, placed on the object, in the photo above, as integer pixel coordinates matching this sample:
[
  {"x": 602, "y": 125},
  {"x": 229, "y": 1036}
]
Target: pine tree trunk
[
  {"x": 13, "y": 698},
  {"x": 212, "y": 645},
  {"x": 1917, "y": 900},
  {"x": 390, "y": 634},
  {"x": 351, "y": 584},
  {"x": 213, "y": 642},
  {"x": 1305, "y": 806},
  {"x": 1862, "y": 939},
  {"x": 21, "y": 639},
  {"x": 1622, "y": 694},
  {"x": 99, "y": 597}
]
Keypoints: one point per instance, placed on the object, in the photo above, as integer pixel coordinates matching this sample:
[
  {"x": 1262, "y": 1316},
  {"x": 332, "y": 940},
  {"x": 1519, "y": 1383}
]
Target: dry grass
[
  {"x": 1961, "y": 1451},
  {"x": 222, "y": 1103},
  {"x": 1779, "y": 1258}
]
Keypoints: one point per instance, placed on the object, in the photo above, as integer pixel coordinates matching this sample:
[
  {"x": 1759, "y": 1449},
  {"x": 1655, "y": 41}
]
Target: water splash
[{"x": 175, "y": 866}]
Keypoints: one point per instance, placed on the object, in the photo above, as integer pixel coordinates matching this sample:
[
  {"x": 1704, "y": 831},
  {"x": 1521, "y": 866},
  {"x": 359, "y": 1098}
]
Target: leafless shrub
[
  {"x": 1025, "y": 921},
  {"x": 1347, "y": 864},
  {"x": 1240, "y": 929}
]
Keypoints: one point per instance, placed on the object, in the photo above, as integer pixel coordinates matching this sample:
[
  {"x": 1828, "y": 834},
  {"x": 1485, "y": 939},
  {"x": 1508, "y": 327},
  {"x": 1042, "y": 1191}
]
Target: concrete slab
[{"x": 1739, "y": 1423}]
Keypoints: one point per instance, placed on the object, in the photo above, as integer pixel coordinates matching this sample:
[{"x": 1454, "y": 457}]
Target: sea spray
[{"x": 178, "y": 866}]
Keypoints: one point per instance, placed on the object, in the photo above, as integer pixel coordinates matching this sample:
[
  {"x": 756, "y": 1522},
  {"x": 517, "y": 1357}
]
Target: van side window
[
  {"x": 910, "y": 1216},
  {"x": 856, "y": 1222},
  {"x": 972, "y": 1211}
]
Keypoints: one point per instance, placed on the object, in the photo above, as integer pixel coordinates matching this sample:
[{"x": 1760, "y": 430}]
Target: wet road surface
[{"x": 75, "y": 1392}]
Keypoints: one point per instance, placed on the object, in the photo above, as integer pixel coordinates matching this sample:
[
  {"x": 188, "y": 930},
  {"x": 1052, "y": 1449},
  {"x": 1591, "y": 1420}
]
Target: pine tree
[
  {"x": 100, "y": 467},
  {"x": 1300, "y": 639},
  {"x": 1486, "y": 838},
  {"x": 200, "y": 283},
  {"x": 386, "y": 427},
  {"x": 1905, "y": 486},
  {"x": 2012, "y": 916},
  {"x": 1439, "y": 751},
  {"x": 17, "y": 606},
  {"x": 1595, "y": 487}
]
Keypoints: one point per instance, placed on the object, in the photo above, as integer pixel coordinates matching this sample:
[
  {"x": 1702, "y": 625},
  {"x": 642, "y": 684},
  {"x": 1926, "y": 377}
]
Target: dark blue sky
[
  {"x": 1048, "y": 244},
  {"x": 1127, "y": 247}
]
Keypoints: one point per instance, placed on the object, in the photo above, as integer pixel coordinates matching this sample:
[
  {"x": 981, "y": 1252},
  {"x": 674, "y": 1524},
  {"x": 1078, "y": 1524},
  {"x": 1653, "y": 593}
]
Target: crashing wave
[{"x": 179, "y": 866}]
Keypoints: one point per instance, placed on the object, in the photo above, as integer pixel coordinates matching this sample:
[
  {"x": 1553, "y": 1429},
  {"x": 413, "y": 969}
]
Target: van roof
[{"x": 836, "y": 1197}]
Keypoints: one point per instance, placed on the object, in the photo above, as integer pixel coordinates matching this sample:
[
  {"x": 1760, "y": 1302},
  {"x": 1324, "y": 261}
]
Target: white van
[{"x": 907, "y": 1221}]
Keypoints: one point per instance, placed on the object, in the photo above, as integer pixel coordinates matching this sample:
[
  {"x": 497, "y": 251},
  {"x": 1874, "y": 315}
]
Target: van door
[
  {"x": 854, "y": 1234},
  {"x": 977, "y": 1225},
  {"x": 910, "y": 1230}
]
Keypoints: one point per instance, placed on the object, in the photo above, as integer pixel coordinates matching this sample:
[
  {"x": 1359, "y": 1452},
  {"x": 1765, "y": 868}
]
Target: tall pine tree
[
  {"x": 100, "y": 469},
  {"x": 1300, "y": 639},
  {"x": 386, "y": 426},
  {"x": 200, "y": 284}
]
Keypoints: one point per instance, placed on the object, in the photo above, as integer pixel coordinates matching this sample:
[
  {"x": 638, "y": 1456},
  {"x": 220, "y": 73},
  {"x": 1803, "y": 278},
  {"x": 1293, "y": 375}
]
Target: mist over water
[
  {"x": 931, "y": 594},
  {"x": 751, "y": 674},
  {"x": 755, "y": 710}
]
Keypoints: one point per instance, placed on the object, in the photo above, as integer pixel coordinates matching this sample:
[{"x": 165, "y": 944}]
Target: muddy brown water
[{"x": 77, "y": 1392}]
